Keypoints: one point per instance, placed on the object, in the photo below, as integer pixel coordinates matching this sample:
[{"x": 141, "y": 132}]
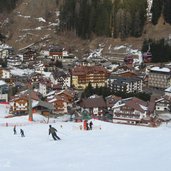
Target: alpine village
[{"x": 108, "y": 60}]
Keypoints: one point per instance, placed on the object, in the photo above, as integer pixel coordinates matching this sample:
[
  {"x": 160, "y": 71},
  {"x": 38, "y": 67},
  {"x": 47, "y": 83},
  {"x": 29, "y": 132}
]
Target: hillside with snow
[
  {"x": 37, "y": 23},
  {"x": 113, "y": 147}
]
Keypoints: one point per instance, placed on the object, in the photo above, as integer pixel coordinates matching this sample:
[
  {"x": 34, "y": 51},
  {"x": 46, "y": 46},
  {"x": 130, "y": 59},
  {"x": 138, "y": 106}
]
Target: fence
[{"x": 6, "y": 124}]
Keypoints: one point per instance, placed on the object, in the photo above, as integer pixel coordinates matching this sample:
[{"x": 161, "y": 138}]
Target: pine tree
[
  {"x": 137, "y": 25},
  {"x": 104, "y": 17},
  {"x": 167, "y": 11},
  {"x": 7, "y": 5},
  {"x": 161, "y": 51},
  {"x": 156, "y": 10}
]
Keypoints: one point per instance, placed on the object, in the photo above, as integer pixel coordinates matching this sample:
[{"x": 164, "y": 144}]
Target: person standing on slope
[
  {"x": 53, "y": 131},
  {"x": 91, "y": 125},
  {"x": 14, "y": 129},
  {"x": 22, "y": 133}
]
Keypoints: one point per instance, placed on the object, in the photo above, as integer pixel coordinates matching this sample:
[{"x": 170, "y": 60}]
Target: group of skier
[
  {"x": 88, "y": 126},
  {"x": 53, "y": 131},
  {"x": 21, "y": 131}
]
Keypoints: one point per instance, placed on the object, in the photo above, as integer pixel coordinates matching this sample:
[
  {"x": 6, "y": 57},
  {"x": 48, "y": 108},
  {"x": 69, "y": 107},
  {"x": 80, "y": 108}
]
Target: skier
[
  {"x": 90, "y": 125},
  {"x": 85, "y": 125},
  {"x": 22, "y": 133},
  {"x": 14, "y": 129},
  {"x": 53, "y": 131}
]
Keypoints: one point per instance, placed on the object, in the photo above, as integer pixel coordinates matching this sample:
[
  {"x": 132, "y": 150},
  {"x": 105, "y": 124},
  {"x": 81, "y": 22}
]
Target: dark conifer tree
[
  {"x": 156, "y": 10},
  {"x": 104, "y": 17},
  {"x": 167, "y": 11}
]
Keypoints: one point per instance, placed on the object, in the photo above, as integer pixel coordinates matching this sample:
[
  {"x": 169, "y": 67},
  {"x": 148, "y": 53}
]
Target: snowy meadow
[{"x": 112, "y": 148}]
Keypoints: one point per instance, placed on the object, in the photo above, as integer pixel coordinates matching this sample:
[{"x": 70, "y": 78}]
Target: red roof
[
  {"x": 137, "y": 104},
  {"x": 84, "y": 70},
  {"x": 93, "y": 102}
]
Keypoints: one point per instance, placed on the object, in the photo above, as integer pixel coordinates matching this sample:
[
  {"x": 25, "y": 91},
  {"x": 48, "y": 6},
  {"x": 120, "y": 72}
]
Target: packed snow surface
[{"x": 112, "y": 148}]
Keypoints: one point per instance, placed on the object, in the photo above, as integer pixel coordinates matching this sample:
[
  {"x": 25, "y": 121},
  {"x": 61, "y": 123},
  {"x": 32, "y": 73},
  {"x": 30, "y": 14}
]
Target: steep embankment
[
  {"x": 31, "y": 21},
  {"x": 161, "y": 30}
]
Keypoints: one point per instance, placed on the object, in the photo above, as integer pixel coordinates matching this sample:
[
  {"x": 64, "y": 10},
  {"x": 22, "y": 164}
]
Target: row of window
[{"x": 127, "y": 116}]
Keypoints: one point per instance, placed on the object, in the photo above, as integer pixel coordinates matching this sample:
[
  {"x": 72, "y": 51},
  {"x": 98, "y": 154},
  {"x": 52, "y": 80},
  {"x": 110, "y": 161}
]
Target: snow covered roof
[
  {"x": 160, "y": 69},
  {"x": 21, "y": 72},
  {"x": 5, "y": 46},
  {"x": 51, "y": 93},
  {"x": 119, "y": 47},
  {"x": 168, "y": 89},
  {"x": 2, "y": 82}
]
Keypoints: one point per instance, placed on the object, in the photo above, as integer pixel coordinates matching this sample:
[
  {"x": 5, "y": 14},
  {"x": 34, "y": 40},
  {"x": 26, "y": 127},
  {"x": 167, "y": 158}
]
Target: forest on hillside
[
  {"x": 7, "y": 5},
  {"x": 160, "y": 50},
  {"x": 118, "y": 18},
  {"x": 161, "y": 7},
  {"x": 111, "y": 18}
]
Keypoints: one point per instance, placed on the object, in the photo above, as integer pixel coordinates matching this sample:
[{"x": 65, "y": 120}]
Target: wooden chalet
[
  {"x": 43, "y": 108},
  {"x": 95, "y": 105},
  {"x": 60, "y": 104},
  {"x": 67, "y": 94},
  {"x": 29, "y": 55},
  {"x": 131, "y": 111},
  {"x": 20, "y": 106},
  {"x": 20, "y": 103}
]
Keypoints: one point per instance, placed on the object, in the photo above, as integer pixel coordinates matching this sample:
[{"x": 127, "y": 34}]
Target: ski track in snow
[{"x": 114, "y": 147}]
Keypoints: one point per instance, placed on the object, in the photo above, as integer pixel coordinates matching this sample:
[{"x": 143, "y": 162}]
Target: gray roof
[
  {"x": 45, "y": 105},
  {"x": 123, "y": 81}
]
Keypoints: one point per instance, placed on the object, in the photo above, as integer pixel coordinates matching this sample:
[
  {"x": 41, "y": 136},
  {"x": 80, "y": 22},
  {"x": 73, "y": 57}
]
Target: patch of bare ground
[{"x": 159, "y": 31}]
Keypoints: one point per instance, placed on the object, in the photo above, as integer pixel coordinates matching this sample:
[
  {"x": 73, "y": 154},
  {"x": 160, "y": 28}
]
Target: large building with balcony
[
  {"x": 83, "y": 75},
  {"x": 131, "y": 111},
  {"x": 126, "y": 85},
  {"x": 159, "y": 77}
]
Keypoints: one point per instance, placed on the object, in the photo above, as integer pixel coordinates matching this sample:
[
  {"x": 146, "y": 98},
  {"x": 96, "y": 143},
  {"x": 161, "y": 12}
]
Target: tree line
[
  {"x": 160, "y": 50},
  {"x": 161, "y": 7},
  {"x": 7, "y": 5},
  {"x": 118, "y": 18}
]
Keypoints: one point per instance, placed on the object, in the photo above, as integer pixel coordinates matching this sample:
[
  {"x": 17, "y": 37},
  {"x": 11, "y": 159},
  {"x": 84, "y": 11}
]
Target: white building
[
  {"x": 167, "y": 91},
  {"x": 159, "y": 77},
  {"x": 6, "y": 74},
  {"x": 62, "y": 78},
  {"x": 162, "y": 105}
]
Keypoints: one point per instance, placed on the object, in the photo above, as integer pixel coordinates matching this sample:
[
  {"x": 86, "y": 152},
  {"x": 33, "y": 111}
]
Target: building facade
[
  {"x": 62, "y": 78},
  {"x": 159, "y": 78},
  {"x": 127, "y": 85},
  {"x": 130, "y": 111},
  {"x": 83, "y": 75}
]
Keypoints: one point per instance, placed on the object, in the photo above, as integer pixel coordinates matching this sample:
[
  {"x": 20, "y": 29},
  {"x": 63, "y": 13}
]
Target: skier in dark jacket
[
  {"x": 87, "y": 125},
  {"x": 22, "y": 133},
  {"x": 91, "y": 125},
  {"x": 53, "y": 131},
  {"x": 14, "y": 129}
]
